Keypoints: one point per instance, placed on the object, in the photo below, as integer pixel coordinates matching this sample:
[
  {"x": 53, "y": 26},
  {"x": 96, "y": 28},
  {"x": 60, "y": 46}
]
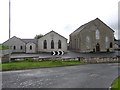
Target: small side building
[
  {"x": 18, "y": 45},
  {"x": 52, "y": 41},
  {"x": 31, "y": 45}
]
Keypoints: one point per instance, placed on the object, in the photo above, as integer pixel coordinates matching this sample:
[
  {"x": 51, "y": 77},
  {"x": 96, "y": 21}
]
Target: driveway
[{"x": 80, "y": 76}]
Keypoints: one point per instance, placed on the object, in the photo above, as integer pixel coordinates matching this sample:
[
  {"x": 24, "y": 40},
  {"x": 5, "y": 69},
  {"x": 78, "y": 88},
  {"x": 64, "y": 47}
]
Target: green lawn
[
  {"x": 36, "y": 64},
  {"x": 116, "y": 84}
]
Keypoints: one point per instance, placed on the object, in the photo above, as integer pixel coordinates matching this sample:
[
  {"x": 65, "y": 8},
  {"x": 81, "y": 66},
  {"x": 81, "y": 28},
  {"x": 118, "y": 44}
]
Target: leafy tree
[{"x": 38, "y": 36}]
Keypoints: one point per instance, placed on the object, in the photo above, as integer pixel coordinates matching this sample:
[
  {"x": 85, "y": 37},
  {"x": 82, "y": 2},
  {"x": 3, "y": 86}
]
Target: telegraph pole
[
  {"x": 9, "y": 19},
  {"x": 9, "y": 29}
]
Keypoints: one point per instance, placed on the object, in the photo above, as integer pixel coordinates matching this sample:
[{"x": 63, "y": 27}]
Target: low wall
[
  {"x": 100, "y": 60},
  {"x": 86, "y": 60},
  {"x": 4, "y": 55},
  {"x": 5, "y": 58}
]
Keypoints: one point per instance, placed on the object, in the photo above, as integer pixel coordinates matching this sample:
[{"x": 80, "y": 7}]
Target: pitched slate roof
[
  {"x": 24, "y": 40},
  {"x": 85, "y": 25},
  {"x": 30, "y": 41},
  {"x": 12, "y": 38},
  {"x": 54, "y": 32}
]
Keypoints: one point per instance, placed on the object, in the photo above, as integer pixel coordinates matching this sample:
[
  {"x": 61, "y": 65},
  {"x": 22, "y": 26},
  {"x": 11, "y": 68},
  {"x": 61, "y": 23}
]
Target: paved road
[
  {"x": 70, "y": 54},
  {"x": 81, "y": 76}
]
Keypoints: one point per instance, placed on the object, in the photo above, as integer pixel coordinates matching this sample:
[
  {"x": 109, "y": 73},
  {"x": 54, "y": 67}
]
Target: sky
[{"x": 32, "y": 17}]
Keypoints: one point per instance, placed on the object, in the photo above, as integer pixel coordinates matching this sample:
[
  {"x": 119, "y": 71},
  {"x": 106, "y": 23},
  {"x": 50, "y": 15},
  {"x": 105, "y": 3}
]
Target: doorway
[{"x": 97, "y": 47}]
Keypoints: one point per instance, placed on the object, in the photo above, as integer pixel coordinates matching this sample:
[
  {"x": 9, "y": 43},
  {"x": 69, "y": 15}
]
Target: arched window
[
  {"x": 14, "y": 47},
  {"x": 21, "y": 47},
  {"x": 45, "y": 44},
  {"x": 52, "y": 44},
  {"x": 97, "y": 34},
  {"x": 30, "y": 47},
  {"x": 106, "y": 42},
  {"x": 59, "y": 44},
  {"x": 111, "y": 45},
  {"x": 87, "y": 42}
]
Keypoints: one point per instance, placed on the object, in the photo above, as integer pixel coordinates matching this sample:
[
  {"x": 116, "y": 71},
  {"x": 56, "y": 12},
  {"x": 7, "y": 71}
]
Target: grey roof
[
  {"x": 85, "y": 25},
  {"x": 12, "y": 38},
  {"x": 79, "y": 29},
  {"x": 56, "y": 33},
  {"x": 24, "y": 40},
  {"x": 30, "y": 41}
]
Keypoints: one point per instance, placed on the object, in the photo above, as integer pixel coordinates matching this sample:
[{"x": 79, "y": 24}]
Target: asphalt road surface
[
  {"x": 80, "y": 76},
  {"x": 69, "y": 54}
]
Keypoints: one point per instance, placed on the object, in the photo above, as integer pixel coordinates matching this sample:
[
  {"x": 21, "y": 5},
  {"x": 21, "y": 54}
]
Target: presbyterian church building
[{"x": 94, "y": 36}]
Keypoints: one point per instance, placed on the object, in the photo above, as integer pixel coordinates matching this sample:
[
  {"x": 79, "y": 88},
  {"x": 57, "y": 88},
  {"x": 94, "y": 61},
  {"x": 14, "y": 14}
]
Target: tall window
[
  {"x": 78, "y": 43},
  {"x": 106, "y": 42},
  {"x": 59, "y": 44},
  {"x": 21, "y": 47},
  {"x": 97, "y": 34},
  {"x": 30, "y": 47},
  {"x": 52, "y": 44},
  {"x": 45, "y": 44},
  {"x": 88, "y": 42},
  {"x": 75, "y": 43},
  {"x": 111, "y": 45},
  {"x": 14, "y": 47}
]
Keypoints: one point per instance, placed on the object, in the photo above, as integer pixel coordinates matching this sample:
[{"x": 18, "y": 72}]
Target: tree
[{"x": 38, "y": 36}]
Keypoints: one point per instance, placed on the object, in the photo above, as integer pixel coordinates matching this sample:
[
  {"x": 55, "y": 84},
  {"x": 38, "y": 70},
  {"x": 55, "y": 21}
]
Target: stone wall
[
  {"x": 100, "y": 60},
  {"x": 84, "y": 60},
  {"x": 4, "y": 55},
  {"x": 5, "y": 58}
]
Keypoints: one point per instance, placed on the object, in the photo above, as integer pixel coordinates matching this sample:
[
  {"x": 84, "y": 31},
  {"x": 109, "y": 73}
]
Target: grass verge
[
  {"x": 116, "y": 84},
  {"x": 36, "y": 64}
]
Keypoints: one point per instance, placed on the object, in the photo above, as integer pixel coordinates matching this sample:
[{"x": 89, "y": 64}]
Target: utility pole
[
  {"x": 9, "y": 19},
  {"x": 9, "y": 29}
]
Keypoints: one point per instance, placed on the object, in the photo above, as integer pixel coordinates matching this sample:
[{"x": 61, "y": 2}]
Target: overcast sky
[{"x": 31, "y": 17}]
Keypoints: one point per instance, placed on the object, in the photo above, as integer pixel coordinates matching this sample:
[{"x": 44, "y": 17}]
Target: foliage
[
  {"x": 116, "y": 84},
  {"x": 3, "y": 47},
  {"x": 38, "y": 36}
]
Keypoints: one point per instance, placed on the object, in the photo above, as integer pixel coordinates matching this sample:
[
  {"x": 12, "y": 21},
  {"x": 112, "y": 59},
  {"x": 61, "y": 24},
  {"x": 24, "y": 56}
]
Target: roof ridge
[
  {"x": 89, "y": 23},
  {"x": 13, "y": 37},
  {"x": 83, "y": 25},
  {"x": 54, "y": 32}
]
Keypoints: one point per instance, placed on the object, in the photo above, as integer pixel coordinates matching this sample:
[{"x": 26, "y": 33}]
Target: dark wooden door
[{"x": 97, "y": 47}]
